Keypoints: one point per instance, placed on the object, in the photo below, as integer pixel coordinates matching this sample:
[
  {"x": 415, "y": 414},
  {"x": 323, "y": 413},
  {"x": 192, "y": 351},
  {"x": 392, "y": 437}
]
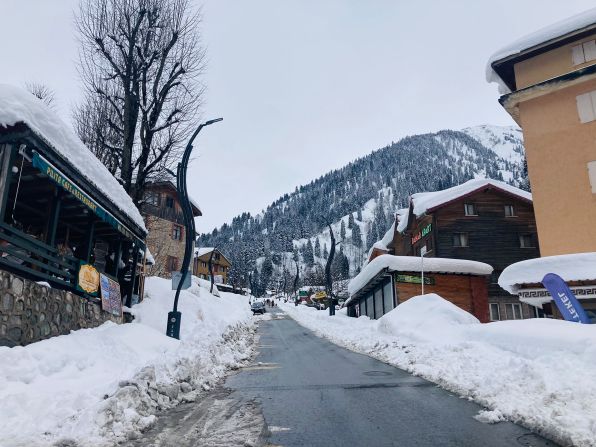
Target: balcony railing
[{"x": 163, "y": 213}]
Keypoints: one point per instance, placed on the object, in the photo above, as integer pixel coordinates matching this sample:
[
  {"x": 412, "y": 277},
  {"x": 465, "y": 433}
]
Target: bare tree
[
  {"x": 140, "y": 61},
  {"x": 43, "y": 92}
]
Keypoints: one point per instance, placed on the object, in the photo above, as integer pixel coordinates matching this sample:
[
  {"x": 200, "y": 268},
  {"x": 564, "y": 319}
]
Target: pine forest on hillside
[{"x": 359, "y": 201}]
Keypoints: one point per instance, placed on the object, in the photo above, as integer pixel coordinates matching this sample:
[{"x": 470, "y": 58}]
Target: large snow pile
[
  {"x": 573, "y": 267},
  {"x": 537, "y": 372},
  {"x": 414, "y": 264},
  {"x": 20, "y": 106},
  {"x": 550, "y": 32},
  {"x": 103, "y": 385}
]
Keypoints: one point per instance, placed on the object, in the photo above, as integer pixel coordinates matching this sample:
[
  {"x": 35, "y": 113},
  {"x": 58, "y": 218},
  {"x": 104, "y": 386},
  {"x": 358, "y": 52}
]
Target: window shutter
[
  {"x": 585, "y": 108},
  {"x": 589, "y": 50},
  {"x": 592, "y": 175},
  {"x": 577, "y": 55}
]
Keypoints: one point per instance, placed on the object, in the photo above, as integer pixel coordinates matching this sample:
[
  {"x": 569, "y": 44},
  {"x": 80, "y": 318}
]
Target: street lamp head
[{"x": 216, "y": 120}]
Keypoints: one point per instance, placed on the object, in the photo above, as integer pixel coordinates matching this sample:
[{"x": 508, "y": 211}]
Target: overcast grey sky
[{"x": 305, "y": 86}]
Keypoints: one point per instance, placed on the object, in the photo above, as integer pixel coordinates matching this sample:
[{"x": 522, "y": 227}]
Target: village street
[{"x": 302, "y": 390}]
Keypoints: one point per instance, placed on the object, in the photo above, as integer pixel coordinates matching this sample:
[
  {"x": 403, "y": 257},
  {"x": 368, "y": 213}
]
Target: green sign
[
  {"x": 65, "y": 183},
  {"x": 414, "y": 279},
  {"x": 302, "y": 293}
]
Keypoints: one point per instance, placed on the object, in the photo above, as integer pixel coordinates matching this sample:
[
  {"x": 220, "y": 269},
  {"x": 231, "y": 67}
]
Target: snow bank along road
[
  {"x": 302, "y": 390},
  {"x": 104, "y": 386},
  {"x": 537, "y": 372}
]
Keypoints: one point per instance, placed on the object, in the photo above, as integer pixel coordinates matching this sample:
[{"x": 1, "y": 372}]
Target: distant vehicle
[{"x": 258, "y": 307}]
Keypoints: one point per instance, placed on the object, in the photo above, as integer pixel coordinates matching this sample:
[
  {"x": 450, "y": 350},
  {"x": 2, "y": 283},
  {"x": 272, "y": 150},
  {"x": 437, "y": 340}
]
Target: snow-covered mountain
[{"x": 364, "y": 194}]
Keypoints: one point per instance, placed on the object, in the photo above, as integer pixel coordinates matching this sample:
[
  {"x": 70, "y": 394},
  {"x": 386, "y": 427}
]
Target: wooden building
[
  {"x": 164, "y": 220},
  {"x": 220, "y": 264},
  {"x": 481, "y": 220},
  {"x": 388, "y": 281},
  {"x": 64, "y": 219},
  {"x": 549, "y": 83}
]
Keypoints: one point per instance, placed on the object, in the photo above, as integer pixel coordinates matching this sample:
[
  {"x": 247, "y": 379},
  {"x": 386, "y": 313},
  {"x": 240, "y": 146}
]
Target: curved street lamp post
[{"x": 173, "y": 325}]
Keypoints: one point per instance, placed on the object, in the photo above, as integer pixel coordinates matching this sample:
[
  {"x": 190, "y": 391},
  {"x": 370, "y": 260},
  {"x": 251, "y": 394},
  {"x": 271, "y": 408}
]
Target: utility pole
[{"x": 173, "y": 324}]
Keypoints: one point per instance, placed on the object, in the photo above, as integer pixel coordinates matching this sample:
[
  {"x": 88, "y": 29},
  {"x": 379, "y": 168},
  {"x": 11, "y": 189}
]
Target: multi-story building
[
  {"x": 165, "y": 222},
  {"x": 481, "y": 220},
  {"x": 221, "y": 265},
  {"x": 549, "y": 80}
]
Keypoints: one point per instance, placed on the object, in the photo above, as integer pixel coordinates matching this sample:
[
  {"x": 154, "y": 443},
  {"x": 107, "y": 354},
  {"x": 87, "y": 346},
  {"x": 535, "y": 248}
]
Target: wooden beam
[
  {"x": 53, "y": 220},
  {"x": 90, "y": 237},
  {"x": 6, "y": 158}
]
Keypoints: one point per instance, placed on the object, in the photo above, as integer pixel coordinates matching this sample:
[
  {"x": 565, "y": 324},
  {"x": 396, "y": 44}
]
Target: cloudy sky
[{"x": 305, "y": 86}]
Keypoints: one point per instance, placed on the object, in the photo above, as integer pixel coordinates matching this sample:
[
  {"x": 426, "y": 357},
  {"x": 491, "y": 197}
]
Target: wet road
[{"x": 302, "y": 390}]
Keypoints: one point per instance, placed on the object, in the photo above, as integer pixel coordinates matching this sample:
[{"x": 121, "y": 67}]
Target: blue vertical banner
[{"x": 566, "y": 302}]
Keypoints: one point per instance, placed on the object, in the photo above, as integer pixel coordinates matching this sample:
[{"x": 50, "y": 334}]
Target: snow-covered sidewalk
[
  {"x": 540, "y": 372},
  {"x": 102, "y": 385}
]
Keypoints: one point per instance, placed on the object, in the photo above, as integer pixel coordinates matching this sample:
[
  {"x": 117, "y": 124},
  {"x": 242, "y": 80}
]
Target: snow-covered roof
[
  {"x": 414, "y": 264},
  {"x": 204, "y": 250},
  {"x": 149, "y": 259},
  {"x": 19, "y": 106},
  {"x": 549, "y": 33},
  {"x": 573, "y": 267},
  {"x": 402, "y": 219},
  {"x": 427, "y": 201}
]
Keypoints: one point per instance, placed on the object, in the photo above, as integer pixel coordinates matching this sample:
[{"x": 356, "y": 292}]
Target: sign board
[
  {"x": 88, "y": 279},
  {"x": 566, "y": 302},
  {"x": 580, "y": 292},
  {"x": 176, "y": 276},
  {"x": 111, "y": 300},
  {"x": 425, "y": 231},
  {"x": 302, "y": 293},
  {"x": 411, "y": 279}
]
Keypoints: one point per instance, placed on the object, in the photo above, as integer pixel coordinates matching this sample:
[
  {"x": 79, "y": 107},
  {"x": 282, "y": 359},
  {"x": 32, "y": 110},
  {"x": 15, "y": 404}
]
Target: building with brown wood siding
[
  {"x": 165, "y": 222},
  {"x": 388, "y": 281},
  {"x": 221, "y": 265},
  {"x": 549, "y": 81},
  {"x": 481, "y": 220}
]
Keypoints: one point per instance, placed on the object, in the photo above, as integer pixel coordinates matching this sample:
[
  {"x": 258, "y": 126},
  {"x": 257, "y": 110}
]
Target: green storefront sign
[
  {"x": 65, "y": 183},
  {"x": 414, "y": 279}
]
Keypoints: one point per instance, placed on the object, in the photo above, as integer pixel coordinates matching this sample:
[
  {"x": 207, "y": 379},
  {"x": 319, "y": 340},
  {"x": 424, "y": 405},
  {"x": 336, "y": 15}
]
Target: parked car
[{"x": 258, "y": 307}]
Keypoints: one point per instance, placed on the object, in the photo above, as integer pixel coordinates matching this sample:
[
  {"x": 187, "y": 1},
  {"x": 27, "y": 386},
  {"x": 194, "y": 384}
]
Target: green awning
[{"x": 71, "y": 187}]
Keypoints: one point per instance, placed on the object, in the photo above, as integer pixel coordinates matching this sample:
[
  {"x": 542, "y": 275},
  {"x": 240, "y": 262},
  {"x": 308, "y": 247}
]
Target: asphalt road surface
[{"x": 302, "y": 390}]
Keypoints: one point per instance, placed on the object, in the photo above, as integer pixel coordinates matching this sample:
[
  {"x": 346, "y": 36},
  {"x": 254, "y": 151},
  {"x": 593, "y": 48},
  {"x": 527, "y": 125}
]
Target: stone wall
[{"x": 30, "y": 312}]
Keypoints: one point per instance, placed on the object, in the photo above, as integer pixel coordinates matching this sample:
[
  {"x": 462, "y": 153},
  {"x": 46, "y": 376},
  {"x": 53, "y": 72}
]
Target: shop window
[
  {"x": 509, "y": 211},
  {"x": 513, "y": 311},
  {"x": 526, "y": 241},
  {"x": 470, "y": 209},
  {"x": 495, "y": 314},
  {"x": 177, "y": 232},
  {"x": 460, "y": 239}
]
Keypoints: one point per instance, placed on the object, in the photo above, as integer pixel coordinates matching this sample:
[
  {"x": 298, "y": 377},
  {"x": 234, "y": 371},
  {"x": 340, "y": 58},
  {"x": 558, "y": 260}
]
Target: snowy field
[
  {"x": 538, "y": 372},
  {"x": 98, "y": 386}
]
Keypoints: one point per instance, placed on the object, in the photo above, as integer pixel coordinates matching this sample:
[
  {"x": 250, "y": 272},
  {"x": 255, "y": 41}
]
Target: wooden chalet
[{"x": 64, "y": 219}]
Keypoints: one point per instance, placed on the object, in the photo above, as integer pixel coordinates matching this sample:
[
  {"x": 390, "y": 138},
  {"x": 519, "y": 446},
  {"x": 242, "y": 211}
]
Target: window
[
  {"x": 169, "y": 202},
  {"x": 203, "y": 264},
  {"x": 172, "y": 264},
  {"x": 152, "y": 198},
  {"x": 509, "y": 211},
  {"x": 592, "y": 175},
  {"x": 370, "y": 307},
  {"x": 586, "y": 107},
  {"x": 378, "y": 303},
  {"x": 216, "y": 256},
  {"x": 177, "y": 232},
  {"x": 495, "y": 315},
  {"x": 387, "y": 296},
  {"x": 470, "y": 209},
  {"x": 513, "y": 311},
  {"x": 584, "y": 52},
  {"x": 460, "y": 239},
  {"x": 526, "y": 241}
]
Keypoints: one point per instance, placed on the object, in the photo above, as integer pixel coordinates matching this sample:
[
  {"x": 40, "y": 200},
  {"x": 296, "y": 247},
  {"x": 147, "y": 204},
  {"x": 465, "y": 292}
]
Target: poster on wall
[
  {"x": 111, "y": 301},
  {"x": 88, "y": 279}
]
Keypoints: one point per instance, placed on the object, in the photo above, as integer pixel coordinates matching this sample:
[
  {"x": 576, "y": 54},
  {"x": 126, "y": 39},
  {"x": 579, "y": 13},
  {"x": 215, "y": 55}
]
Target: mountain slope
[{"x": 264, "y": 248}]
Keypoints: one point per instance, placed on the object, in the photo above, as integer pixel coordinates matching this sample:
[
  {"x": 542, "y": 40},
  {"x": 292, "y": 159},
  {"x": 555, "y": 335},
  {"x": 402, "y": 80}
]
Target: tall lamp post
[{"x": 173, "y": 325}]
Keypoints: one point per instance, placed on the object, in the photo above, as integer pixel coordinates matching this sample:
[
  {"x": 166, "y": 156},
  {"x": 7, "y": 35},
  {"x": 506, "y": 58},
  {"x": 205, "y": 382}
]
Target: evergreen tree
[
  {"x": 266, "y": 273},
  {"x": 325, "y": 251},
  {"x": 359, "y": 215},
  {"x": 317, "y": 248},
  {"x": 351, "y": 221},
  {"x": 342, "y": 230},
  {"x": 356, "y": 236},
  {"x": 309, "y": 256}
]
